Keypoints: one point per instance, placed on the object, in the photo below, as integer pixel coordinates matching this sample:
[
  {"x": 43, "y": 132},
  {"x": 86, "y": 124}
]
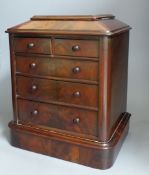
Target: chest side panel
[{"x": 119, "y": 74}]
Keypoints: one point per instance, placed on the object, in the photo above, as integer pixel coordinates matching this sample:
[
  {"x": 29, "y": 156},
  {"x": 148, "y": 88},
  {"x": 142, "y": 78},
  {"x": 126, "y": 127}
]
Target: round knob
[
  {"x": 34, "y": 87},
  {"x": 30, "y": 45},
  {"x": 35, "y": 112},
  {"x": 33, "y": 65},
  {"x": 77, "y": 94},
  {"x": 75, "y": 48},
  {"x": 76, "y": 120},
  {"x": 76, "y": 69}
]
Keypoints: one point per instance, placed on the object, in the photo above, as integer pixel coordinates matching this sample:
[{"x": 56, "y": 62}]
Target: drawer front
[
  {"x": 73, "y": 69},
  {"x": 51, "y": 90},
  {"x": 32, "y": 45},
  {"x": 82, "y": 48},
  {"x": 55, "y": 116}
]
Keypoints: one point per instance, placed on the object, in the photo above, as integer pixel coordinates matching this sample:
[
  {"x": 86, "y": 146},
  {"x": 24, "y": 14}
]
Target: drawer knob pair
[
  {"x": 31, "y": 45},
  {"x": 75, "y": 48},
  {"x": 76, "y": 121}
]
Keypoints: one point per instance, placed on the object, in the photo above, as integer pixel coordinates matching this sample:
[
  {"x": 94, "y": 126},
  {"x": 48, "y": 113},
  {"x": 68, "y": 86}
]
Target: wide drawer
[
  {"x": 55, "y": 116},
  {"x": 63, "y": 68},
  {"x": 82, "y": 48},
  {"x": 33, "y": 45},
  {"x": 60, "y": 91}
]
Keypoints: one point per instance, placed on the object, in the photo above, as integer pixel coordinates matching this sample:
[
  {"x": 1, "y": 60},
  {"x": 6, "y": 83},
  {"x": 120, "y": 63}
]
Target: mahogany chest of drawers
[{"x": 69, "y": 87}]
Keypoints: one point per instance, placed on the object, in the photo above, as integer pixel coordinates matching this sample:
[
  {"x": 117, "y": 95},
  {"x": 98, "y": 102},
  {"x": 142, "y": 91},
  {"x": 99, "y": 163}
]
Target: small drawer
[
  {"x": 33, "y": 45},
  {"x": 57, "y": 91},
  {"x": 63, "y": 68},
  {"x": 82, "y": 48},
  {"x": 60, "y": 117}
]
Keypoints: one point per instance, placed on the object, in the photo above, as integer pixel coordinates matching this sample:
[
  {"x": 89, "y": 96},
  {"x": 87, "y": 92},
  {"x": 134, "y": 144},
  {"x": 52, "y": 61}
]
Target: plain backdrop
[{"x": 134, "y": 156}]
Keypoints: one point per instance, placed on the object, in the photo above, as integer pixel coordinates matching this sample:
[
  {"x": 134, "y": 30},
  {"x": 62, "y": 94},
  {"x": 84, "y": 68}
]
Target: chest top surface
[{"x": 87, "y": 25}]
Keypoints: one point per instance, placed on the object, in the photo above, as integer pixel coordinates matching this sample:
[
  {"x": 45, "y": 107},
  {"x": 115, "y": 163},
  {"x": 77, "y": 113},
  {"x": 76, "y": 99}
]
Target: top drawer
[
  {"x": 82, "y": 48},
  {"x": 32, "y": 45}
]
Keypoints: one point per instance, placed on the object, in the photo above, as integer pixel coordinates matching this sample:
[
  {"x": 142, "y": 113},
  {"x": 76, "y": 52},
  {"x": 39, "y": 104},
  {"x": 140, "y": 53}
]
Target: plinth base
[{"x": 79, "y": 150}]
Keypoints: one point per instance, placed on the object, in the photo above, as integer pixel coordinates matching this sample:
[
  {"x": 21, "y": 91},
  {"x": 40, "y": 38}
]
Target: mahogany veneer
[{"x": 69, "y": 87}]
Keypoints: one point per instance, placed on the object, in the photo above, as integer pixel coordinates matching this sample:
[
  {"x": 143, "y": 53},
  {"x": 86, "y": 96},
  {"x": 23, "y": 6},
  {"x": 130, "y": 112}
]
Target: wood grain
[
  {"x": 89, "y": 153},
  {"x": 88, "y": 48},
  {"x": 41, "y": 45},
  {"x": 75, "y": 17},
  {"x": 57, "y": 67},
  {"x": 105, "y": 26},
  {"x": 56, "y": 116},
  {"x": 50, "y": 90},
  {"x": 69, "y": 87}
]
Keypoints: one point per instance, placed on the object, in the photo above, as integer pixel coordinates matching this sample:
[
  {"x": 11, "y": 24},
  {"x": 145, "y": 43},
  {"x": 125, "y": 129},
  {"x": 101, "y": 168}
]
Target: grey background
[{"x": 134, "y": 154}]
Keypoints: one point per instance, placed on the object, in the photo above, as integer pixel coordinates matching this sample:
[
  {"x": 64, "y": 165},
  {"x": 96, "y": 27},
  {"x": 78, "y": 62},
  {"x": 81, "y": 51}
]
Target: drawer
[
  {"x": 55, "y": 116},
  {"x": 66, "y": 68},
  {"x": 32, "y": 45},
  {"x": 82, "y": 48},
  {"x": 59, "y": 91}
]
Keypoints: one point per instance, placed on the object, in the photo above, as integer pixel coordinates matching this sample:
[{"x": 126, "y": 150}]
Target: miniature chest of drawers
[{"x": 69, "y": 87}]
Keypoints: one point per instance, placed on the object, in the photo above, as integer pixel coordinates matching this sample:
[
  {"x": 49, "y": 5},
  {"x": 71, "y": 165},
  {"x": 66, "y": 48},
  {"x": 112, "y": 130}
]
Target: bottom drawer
[{"x": 60, "y": 117}]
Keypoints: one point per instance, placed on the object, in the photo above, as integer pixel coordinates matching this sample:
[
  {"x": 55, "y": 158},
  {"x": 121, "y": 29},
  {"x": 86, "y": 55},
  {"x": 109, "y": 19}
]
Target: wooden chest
[{"x": 69, "y": 87}]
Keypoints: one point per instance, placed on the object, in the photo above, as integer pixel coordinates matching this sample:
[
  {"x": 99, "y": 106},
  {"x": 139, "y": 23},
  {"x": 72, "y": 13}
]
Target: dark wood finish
[
  {"x": 119, "y": 72},
  {"x": 87, "y": 152},
  {"x": 50, "y": 90},
  {"x": 113, "y": 77},
  {"x": 82, "y": 48},
  {"x": 57, "y": 67},
  {"x": 69, "y": 85},
  {"x": 55, "y": 116},
  {"x": 104, "y": 26},
  {"x": 32, "y": 45},
  {"x": 76, "y": 18},
  {"x": 13, "y": 77}
]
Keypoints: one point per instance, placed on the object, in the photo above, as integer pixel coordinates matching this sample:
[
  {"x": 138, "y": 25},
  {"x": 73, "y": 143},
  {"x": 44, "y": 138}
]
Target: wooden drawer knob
[
  {"x": 34, "y": 87},
  {"x": 32, "y": 65},
  {"x": 75, "y": 48},
  {"x": 77, "y": 94},
  {"x": 35, "y": 112},
  {"x": 76, "y": 69},
  {"x": 31, "y": 45},
  {"x": 76, "y": 121}
]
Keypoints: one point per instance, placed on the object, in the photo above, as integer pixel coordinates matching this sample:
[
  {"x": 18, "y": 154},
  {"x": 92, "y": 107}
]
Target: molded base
[{"x": 75, "y": 149}]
